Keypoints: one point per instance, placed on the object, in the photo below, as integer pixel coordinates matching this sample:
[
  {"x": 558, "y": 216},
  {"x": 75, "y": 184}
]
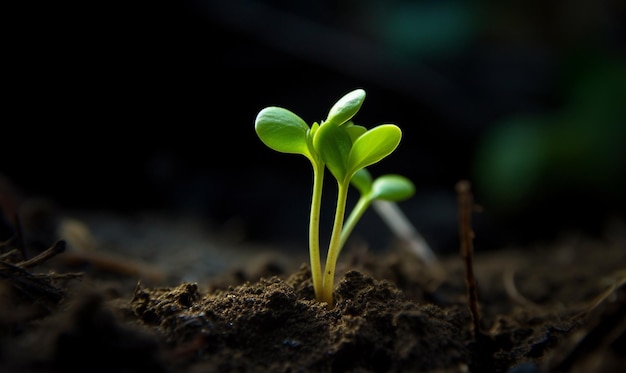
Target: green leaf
[
  {"x": 346, "y": 107},
  {"x": 373, "y": 146},
  {"x": 392, "y": 188},
  {"x": 282, "y": 130},
  {"x": 362, "y": 181},
  {"x": 354, "y": 131},
  {"x": 333, "y": 144}
]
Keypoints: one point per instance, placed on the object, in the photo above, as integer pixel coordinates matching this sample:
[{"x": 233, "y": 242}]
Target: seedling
[
  {"x": 345, "y": 149},
  {"x": 393, "y": 188}
]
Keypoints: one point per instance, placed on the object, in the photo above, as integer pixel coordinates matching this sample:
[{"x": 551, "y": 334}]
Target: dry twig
[{"x": 466, "y": 205}]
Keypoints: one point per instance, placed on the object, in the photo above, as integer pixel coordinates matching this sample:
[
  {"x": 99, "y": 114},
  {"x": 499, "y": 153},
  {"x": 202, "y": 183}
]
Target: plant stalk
[
  {"x": 358, "y": 211},
  {"x": 314, "y": 223},
  {"x": 335, "y": 245}
]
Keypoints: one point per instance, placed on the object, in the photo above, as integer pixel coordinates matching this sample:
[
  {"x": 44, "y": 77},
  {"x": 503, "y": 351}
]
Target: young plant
[
  {"x": 345, "y": 149},
  {"x": 392, "y": 188}
]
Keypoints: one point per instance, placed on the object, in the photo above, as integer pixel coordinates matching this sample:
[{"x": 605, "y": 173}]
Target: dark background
[{"x": 131, "y": 106}]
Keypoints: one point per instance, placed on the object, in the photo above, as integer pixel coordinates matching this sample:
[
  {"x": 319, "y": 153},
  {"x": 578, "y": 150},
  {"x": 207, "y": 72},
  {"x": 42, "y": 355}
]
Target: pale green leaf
[
  {"x": 393, "y": 188},
  {"x": 373, "y": 146},
  {"x": 346, "y": 107},
  {"x": 282, "y": 130}
]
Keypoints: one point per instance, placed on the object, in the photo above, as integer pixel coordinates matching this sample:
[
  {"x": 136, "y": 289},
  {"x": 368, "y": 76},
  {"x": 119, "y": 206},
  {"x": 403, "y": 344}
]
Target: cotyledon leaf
[
  {"x": 282, "y": 130},
  {"x": 373, "y": 146}
]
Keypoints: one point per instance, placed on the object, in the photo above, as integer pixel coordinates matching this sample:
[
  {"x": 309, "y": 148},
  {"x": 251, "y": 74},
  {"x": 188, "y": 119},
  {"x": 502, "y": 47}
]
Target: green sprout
[
  {"x": 345, "y": 149},
  {"x": 393, "y": 188}
]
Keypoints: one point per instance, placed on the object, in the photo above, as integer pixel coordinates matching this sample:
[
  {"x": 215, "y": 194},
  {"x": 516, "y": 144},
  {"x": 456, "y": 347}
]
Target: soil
[{"x": 99, "y": 292}]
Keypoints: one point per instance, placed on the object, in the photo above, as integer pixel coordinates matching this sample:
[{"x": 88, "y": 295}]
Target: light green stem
[
  {"x": 314, "y": 223},
  {"x": 334, "y": 246},
  {"x": 358, "y": 210}
]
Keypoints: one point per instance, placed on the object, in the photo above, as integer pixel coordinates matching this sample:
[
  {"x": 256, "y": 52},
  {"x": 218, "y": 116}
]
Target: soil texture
[{"x": 100, "y": 293}]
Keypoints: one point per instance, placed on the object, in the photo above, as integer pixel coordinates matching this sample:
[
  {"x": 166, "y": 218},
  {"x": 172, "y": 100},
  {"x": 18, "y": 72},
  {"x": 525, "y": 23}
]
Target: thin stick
[
  {"x": 400, "y": 225},
  {"x": 57, "y": 248},
  {"x": 508, "y": 278},
  {"x": 402, "y": 228},
  {"x": 466, "y": 205}
]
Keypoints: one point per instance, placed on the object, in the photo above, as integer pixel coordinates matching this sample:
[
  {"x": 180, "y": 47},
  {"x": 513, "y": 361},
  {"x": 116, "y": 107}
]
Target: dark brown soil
[{"x": 116, "y": 302}]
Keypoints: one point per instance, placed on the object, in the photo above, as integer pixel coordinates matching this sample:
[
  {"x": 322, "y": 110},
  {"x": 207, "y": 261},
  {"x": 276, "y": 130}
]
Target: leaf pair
[{"x": 343, "y": 146}]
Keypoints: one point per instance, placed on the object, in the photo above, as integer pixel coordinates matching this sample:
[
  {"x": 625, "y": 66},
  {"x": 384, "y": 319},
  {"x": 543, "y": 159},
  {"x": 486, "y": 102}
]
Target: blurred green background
[{"x": 132, "y": 105}]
